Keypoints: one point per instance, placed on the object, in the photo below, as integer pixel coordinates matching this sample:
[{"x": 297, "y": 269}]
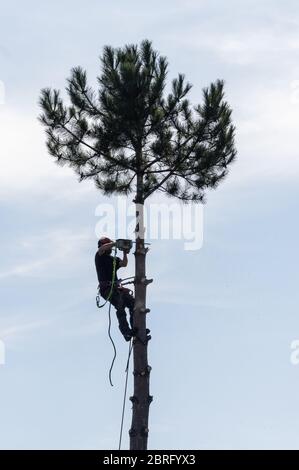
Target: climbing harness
[{"x": 99, "y": 305}]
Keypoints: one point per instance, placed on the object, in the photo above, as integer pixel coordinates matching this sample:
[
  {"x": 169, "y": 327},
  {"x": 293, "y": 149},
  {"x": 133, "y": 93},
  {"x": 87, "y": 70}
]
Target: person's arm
[
  {"x": 105, "y": 248},
  {"x": 124, "y": 262}
]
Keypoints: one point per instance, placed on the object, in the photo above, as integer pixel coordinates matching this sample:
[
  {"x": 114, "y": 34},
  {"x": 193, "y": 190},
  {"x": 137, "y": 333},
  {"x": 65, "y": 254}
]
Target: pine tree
[{"x": 130, "y": 138}]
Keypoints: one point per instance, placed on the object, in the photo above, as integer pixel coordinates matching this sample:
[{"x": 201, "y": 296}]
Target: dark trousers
[{"x": 121, "y": 299}]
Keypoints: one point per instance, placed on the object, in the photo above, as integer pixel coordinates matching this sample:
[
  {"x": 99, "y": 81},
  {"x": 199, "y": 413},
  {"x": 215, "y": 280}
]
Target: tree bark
[{"x": 141, "y": 399}]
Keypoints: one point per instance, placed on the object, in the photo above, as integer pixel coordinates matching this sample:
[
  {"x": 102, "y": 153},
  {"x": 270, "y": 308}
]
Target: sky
[{"x": 222, "y": 317}]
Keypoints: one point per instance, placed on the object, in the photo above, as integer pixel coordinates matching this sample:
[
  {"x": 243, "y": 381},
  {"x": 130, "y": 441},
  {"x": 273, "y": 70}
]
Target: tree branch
[{"x": 109, "y": 158}]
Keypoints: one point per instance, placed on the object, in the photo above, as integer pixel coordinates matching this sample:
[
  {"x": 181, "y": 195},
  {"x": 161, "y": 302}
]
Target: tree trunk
[{"x": 141, "y": 398}]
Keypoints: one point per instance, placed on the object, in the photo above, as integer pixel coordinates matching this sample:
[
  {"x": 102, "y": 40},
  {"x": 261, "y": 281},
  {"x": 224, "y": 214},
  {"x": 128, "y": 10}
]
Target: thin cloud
[
  {"x": 17, "y": 329},
  {"x": 58, "y": 247}
]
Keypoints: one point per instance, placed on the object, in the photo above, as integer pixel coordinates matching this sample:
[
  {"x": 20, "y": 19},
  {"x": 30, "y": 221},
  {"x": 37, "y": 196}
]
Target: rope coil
[{"x": 113, "y": 345}]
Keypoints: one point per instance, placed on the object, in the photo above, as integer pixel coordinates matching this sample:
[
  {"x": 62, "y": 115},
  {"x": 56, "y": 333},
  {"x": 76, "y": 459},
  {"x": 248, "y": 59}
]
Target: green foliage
[{"x": 130, "y": 128}]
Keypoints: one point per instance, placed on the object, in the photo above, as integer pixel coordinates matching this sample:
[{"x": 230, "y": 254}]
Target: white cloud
[
  {"x": 58, "y": 249},
  {"x": 23, "y": 154},
  {"x": 24, "y": 269},
  {"x": 240, "y": 49},
  {"x": 14, "y": 329},
  {"x": 26, "y": 164},
  {"x": 266, "y": 140},
  {"x": 254, "y": 46}
]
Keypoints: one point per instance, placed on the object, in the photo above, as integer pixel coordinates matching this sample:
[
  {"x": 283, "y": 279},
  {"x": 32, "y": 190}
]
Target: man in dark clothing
[{"x": 120, "y": 297}]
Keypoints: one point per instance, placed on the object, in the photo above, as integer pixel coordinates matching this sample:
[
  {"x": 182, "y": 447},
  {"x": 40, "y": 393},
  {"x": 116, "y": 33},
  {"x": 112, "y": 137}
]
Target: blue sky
[{"x": 223, "y": 317}]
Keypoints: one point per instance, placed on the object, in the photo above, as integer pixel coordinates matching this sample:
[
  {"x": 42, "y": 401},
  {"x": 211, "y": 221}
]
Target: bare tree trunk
[{"x": 141, "y": 398}]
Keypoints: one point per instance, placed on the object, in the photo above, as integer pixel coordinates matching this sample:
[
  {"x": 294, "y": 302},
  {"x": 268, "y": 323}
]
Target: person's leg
[
  {"x": 117, "y": 301},
  {"x": 129, "y": 302}
]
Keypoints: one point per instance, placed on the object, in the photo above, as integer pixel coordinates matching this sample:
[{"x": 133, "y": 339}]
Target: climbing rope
[
  {"x": 125, "y": 395},
  {"x": 99, "y": 305},
  {"x": 113, "y": 345},
  {"x": 109, "y": 314}
]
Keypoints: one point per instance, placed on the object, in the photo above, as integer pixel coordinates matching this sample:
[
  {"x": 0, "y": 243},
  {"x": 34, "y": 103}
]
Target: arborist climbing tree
[
  {"x": 130, "y": 137},
  {"x": 110, "y": 287}
]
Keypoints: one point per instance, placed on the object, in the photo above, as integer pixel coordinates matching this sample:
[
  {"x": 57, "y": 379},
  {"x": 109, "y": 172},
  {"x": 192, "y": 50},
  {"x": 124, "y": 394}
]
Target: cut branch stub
[
  {"x": 145, "y": 310},
  {"x": 146, "y": 281}
]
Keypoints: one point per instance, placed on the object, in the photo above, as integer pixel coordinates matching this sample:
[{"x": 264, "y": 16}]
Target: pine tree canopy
[{"x": 130, "y": 136}]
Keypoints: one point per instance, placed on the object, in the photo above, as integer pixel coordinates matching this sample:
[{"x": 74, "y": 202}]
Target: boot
[
  {"x": 124, "y": 326},
  {"x": 125, "y": 331}
]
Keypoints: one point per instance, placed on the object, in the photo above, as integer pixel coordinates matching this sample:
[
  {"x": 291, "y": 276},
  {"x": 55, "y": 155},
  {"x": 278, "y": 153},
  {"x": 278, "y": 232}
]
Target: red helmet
[{"x": 103, "y": 241}]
